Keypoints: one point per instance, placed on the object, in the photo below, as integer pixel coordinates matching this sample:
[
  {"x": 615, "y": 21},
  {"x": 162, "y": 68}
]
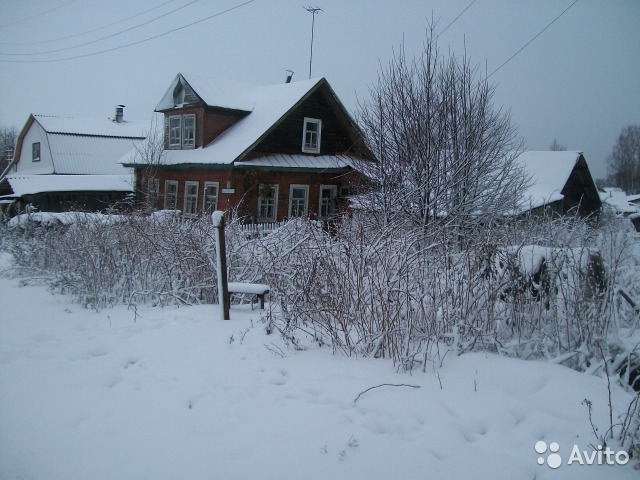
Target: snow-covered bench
[{"x": 257, "y": 289}]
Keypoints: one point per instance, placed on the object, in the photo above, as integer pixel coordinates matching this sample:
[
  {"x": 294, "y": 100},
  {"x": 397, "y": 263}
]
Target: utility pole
[{"x": 313, "y": 11}]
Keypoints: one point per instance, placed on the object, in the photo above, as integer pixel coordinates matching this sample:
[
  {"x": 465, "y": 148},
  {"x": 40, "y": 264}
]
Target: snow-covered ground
[{"x": 178, "y": 393}]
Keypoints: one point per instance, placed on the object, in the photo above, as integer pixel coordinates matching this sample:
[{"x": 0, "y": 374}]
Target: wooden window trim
[
  {"x": 205, "y": 208},
  {"x": 189, "y": 198},
  {"x": 167, "y": 206},
  {"x": 316, "y": 148},
  {"x": 306, "y": 199},
  {"x": 274, "y": 217}
]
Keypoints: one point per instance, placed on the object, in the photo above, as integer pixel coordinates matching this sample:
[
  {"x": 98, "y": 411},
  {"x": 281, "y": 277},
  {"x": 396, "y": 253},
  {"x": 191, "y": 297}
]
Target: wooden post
[{"x": 217, "y": 218}]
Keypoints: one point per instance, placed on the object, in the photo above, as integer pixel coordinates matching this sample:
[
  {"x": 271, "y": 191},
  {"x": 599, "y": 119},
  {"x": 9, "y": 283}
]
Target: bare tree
[
  {"x": 150, "y": 152},
  {"x": 624, "y": 160},
  {"x": 8, "y": 138},
  {"x": 557, "y": 146},
  {"x": 446, "y": 155}
]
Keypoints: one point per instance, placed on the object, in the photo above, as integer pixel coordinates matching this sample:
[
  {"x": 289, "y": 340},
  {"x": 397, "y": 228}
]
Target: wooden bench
[{"x": 257, "y": 289}]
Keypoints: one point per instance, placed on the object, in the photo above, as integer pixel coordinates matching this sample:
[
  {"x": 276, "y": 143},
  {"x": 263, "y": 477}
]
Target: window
[
  {"x": 190, "y": 199},
  {"x": 268, "y": 203},
  {"x": 311, "y": 135},
  {"x": 210, "y": 202},
  {"x": 175, "y": 132},
  {"x": 182, "y": 131},
  {"x": 327, "y": 201},
  {"x": 153, "y": 192},
  {"x": 35, "y": 152},
  {"x": 188, "y": 131},
  {"x": 170, "y": 195},
  {"x": 298, "y": 200}
]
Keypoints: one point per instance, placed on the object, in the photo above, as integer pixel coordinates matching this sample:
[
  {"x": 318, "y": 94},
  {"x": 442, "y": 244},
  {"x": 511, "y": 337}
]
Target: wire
[
  {"x": 454, "y": 20},
  {"x": 103, "y": 38},
  {"x": 89, "y": 31},
  {"x": 133, "y": 43},
  {"x": 527, "y": 44},
  {"x": 37, "y": 15}
]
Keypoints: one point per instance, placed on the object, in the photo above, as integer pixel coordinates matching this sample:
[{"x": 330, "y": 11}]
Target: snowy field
[{"x": 177, "y": 393}]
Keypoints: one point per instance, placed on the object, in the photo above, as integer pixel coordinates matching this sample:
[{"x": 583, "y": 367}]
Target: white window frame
[
  {"x": 36, "y": 146},
  {"x": 261, "y": 201},
  {"x": 310, "y": 147},
  {"x": 332, "y": 206},
  {"x": 305, "y": 205},
  {"x": 207, "y": 207},
  {"x": 190, "y": 199},
  {"x": 175, "y": 132},
  {"x": 170, "y": 198},
  {"x": 188, "y": 132}
]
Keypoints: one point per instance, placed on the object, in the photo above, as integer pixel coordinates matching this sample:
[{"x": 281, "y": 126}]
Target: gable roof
[
  {"x": 549, "y": 172},
  {"x": 266, "y": 106}
]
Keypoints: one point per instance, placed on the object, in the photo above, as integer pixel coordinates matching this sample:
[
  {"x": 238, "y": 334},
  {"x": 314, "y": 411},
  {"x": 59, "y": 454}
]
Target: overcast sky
[{"x": 578, "y": 82}]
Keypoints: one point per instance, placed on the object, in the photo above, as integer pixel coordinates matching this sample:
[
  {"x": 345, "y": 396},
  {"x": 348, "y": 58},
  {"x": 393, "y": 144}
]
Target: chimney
[
  {"x": 289, "y": 75},
  {"x": 119, "y": 114}
]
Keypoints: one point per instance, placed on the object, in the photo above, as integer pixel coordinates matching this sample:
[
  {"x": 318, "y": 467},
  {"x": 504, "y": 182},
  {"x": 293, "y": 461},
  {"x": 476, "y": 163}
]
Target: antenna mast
[{"x": 313, "y": 11}]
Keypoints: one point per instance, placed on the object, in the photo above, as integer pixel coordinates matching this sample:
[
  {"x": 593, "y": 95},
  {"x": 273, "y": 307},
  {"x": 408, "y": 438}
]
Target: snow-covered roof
[
  {"x": 619, "y": 201},
  {"x": 215, "y": 92},
  {"x": 279, "y": 160},
  {"x": 103, "y": 127},
  {"x": 267, "y": 104},
  {"x": 32, "y": 184},
  {"x": 549, "y": 172},
  {"x": 87, "y": 155}
]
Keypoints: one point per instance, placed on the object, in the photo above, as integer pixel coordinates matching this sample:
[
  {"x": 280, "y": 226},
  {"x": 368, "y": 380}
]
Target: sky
[{"x": 576, "y": 82}]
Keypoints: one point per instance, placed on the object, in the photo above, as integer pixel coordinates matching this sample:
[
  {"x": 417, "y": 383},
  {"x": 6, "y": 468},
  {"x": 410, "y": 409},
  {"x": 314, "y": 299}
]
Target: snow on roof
[
  {"x": 103, "y": 127},
  {"x": 548, "y": 172},
  {"x": 268, "y": 104},
  {"x": 31, "y": 184},
  {"x": 80, "y": 154},
  {"x": 215, "y": 92},
  {"x": 618, "y": 200},
  {"x": 280, "y": 160}
]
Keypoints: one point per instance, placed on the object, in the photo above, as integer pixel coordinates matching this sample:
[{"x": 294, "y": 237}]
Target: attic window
[
  {"x": 311, "y": 135},
  {"x": 181, "y": 131},
  {"x": 178, "y": 95},
  {"x": 35, "y": 152}
]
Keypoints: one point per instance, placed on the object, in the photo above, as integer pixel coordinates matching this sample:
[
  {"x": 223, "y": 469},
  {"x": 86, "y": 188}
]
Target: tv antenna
[{"x": 313, "y": 11}]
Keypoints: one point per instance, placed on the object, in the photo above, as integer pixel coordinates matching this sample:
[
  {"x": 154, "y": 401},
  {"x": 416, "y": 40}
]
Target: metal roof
[{"x": 86, "y": 155}]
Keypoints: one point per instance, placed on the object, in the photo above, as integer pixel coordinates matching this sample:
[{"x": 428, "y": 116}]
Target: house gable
[{"x": 336, "y": 135}]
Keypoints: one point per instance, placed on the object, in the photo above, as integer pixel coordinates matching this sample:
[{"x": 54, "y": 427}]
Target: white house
[{"x": 63, "y": 162}]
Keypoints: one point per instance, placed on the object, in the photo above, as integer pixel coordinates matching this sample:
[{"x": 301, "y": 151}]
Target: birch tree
[{"x": 446, "y": 154}]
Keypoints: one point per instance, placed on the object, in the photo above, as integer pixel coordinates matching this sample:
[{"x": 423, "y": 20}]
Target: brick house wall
[{"x": 240, "y": 187}]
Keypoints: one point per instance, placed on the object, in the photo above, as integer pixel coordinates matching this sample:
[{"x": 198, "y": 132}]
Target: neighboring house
[
  {"x": 622, "y": 204},
  {"x": 63, "y": 163},
  {"x": 560, "y": 182},
  {"x": 271, "y": 152}
]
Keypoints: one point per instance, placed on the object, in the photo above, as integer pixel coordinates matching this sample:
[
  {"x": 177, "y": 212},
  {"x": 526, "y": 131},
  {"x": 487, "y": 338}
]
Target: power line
[
  {"x": 454, "y": 20},
  {"x": 37, "y": 15},
  {"x": 89, "y": 31},
  {"x": 527, "y": 44},
  {"x": 103, "y": 38},
  {"x": 133, "y": 43}
]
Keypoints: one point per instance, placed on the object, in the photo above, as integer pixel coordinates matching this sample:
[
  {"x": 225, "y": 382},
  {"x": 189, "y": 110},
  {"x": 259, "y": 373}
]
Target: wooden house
[
  {"x": 270, "y": 152},
  {"x": 63, "y": 163},
  {"x": 559, "y": 182}
]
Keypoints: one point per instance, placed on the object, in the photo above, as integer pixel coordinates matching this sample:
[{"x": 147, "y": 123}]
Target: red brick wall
[{"x": 245, "y": 185}]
